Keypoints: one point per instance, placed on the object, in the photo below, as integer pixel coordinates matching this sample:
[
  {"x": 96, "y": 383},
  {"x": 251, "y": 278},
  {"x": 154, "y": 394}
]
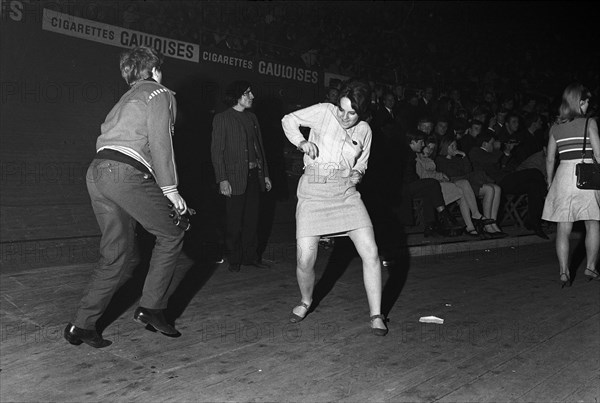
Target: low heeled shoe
[
  {"x": 76, "y": 335},
  {"x": 156, "y": 319},
  {"x": 592, "y": 274},
  {"x": 378, "y": 331},
  {"x": 294, "y": 318}
]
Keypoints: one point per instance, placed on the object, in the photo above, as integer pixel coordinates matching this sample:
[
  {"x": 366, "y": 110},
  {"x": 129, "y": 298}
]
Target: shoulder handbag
[{"x": 588, "y": 175}]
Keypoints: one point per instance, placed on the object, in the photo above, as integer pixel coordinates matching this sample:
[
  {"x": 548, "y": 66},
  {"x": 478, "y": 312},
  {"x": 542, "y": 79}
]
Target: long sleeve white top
[{"x": 339, "y": 148}]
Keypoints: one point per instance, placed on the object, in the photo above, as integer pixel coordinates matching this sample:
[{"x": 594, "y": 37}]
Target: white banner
[{"x": 112, "y": 35}]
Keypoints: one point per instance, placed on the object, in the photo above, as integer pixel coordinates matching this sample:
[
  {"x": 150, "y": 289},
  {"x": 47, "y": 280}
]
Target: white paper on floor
[{"x": 431, "y": 319}]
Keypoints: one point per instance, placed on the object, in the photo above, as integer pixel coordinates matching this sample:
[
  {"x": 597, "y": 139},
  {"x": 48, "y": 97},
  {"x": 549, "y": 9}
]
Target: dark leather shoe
[
  {"x": 76, "y": 335},
  {"x": 156, "y": 319}
]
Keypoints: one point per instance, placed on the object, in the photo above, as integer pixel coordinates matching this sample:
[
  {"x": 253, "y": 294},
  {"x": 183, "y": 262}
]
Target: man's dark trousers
[
  {"x": 121, "y": 196},
  {"x": 242, "y": 223}
]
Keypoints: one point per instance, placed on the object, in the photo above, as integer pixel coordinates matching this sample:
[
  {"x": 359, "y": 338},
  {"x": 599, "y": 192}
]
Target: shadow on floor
[
  {"x": 343, "y": 253},
  {"x": 195, "y": 266}
]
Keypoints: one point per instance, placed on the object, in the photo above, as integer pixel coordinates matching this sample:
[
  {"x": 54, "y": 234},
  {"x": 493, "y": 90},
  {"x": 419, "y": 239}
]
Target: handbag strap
[{"x": 584, "y": 139}]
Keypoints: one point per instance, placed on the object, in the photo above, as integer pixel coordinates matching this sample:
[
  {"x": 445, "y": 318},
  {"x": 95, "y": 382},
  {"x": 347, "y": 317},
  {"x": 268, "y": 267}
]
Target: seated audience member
[
  {"x": 441, "y": 128},
  {"x": 384, "y": 119},
  {"x": 469, "y": 139},
  {"x": 332, "y": 95},
  {"x": 513, "y": 123},
  {"x": 426, "y": 103},
  {"x": 459, "y": 128},
  {"x": 536, "y": 161},
  {"x": 428, "y": 190},
  {"x": 499, "y": 166},
  {"x": 531, "y": 139},
  {"x": 409, "y": 112},
  {"x": 482, "y": 115},
  {"x": 425, "y": 125},
  {"x": 456, "y": 165},
  {"x": 499, "y": 124},
  {"x": 453, "y": 190}
]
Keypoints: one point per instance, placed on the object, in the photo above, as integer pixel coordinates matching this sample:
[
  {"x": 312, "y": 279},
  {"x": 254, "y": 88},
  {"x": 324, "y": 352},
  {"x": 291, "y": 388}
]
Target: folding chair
[
  {"x": 417, "y": 205},
  {"x": 515, "y": 210}
]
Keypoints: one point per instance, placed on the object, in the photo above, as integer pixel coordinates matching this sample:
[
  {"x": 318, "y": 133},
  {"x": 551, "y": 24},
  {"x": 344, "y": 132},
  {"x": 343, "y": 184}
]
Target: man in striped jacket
[
  {"x": 241, "y": 171},
  {"x": 133, "y": 179}
]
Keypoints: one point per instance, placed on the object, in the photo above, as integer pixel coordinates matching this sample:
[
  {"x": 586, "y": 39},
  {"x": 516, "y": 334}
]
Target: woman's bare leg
[
  {"x": 364, "y": 241},
  {"x": 306, "y": 255}
]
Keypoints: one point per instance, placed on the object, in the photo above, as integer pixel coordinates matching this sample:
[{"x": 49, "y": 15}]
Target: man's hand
[
  {"x": 268, "y": 184},
  {"x": 225, "y": 188},
  {"x": 178, "y": 202}
]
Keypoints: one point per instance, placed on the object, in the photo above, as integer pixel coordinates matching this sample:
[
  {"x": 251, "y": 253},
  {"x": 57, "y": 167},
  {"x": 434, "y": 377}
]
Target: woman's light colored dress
[{"x": 328, "y": 203}]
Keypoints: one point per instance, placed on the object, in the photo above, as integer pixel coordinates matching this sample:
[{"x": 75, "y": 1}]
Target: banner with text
[
  {"x": 112, "y": 35},
  {"x": 82, "y": 28},
  {"x": 260, "y": 66}
]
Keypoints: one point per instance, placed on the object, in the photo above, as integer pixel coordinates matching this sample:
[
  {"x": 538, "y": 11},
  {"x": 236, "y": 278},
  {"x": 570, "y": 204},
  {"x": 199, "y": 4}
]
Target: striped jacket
[
  {"x": 141, "y": 126},
  {"x": 229, "y": 150}
]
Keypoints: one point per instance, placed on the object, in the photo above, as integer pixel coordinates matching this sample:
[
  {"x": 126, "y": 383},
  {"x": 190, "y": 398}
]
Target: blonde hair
[{"x": 570, "y": 106}]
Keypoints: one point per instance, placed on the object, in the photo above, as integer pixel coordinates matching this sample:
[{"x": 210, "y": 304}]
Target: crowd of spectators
[
  {"x": 444, "y": 68},
  {"x": 475, "y": 47}
]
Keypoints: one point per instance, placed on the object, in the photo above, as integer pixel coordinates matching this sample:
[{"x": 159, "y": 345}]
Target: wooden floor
[{"x": 510, "y": 333}]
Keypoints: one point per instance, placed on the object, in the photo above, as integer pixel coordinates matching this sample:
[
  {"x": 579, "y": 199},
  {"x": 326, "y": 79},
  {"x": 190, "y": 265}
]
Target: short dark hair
[
  {"x": 461, "y": 124},
  {"x": 531, "y": 118},
  {"x": 475, "y": 122},
  {"x": 235, "y": 90},
  {"x": 445, "y": 143},
  {"x": 414, "y": 135},
  {"x": 387, "y": 93},
  {"x": 137, "y": 63},
  {"x": 425, "y": 119},
  {"x": 359, "y": 94}
]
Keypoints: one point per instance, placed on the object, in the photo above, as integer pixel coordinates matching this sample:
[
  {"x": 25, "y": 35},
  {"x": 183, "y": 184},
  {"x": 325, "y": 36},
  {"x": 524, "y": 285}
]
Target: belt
[{"x": 115, "y": 155}]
